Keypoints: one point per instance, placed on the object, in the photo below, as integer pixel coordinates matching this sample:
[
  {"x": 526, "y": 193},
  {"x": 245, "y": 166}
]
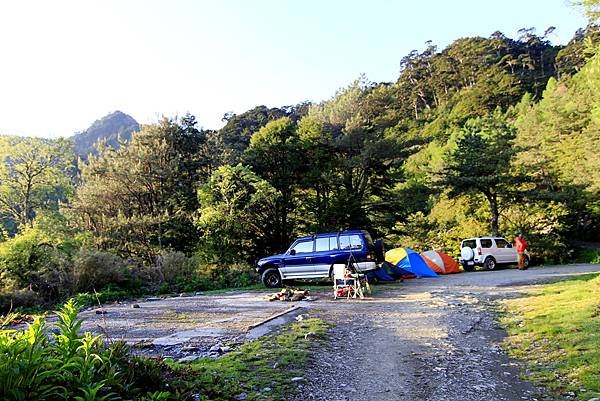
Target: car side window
[
  {"x": 355, "y": 242},
  {"x": 469, "y": 243},
  {"x": 322, "y": 244},
  {"x": 303, "y": 247},
  {"x": 486, "y": 243},
  {"x": 350, "y": 242},
  {"x": 502, "y": 243},
  {"x": 333, "y": 244}
]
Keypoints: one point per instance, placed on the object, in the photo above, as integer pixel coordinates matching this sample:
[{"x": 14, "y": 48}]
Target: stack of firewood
[{"x": 289, "y": 294}]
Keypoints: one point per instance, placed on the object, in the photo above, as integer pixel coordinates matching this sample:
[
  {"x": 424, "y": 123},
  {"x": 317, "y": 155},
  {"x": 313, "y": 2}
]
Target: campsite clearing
[{"x": 423, "y": 339}]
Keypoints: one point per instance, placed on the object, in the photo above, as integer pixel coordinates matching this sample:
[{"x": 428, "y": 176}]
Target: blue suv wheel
[{"x": 271, "y": 278}]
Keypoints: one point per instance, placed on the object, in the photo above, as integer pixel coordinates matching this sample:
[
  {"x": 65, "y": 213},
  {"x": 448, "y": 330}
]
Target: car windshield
[{"x": 303, "y": 247}]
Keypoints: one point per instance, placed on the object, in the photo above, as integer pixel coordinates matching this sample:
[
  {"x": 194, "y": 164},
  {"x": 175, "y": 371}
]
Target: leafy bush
[
  {"x": 24, "y": 298},
  {"x": 108, "y": 294},
  {"x": 212, "y": 277},
  {"x": 176, "y": 265},
  {"x": 71, "y": 365},
  {"x": 588, "y": 255},
  {"x": 229, "y": 276},
  {"x": 97, "y": 269},
  {"x": 33, "y": 260}
]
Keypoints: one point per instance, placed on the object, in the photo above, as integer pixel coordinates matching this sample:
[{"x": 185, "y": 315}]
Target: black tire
[
  {"x": 468, "y": 268},
  {"x": 490, "y": 263},
  {"x": 379, "y": 249},
  {"x": 271, "y": 278}
]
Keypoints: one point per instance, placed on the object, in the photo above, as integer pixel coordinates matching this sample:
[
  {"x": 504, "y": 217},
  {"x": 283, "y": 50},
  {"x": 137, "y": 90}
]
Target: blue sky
[{"x": 65, "y": 64}]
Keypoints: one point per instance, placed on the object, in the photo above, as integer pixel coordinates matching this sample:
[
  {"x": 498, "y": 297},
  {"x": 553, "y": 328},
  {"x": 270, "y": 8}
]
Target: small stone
[
  {"x": 100, "y": 312},
  {"x": 266, "y": 389},
  {"x": 190, "y": 358},
  {"x": 135, "y": 306},
  {"x": 297, "y": 379},
  {"x": 225, "y": 349},
  {"x": 309, "y": 334},
  {"x": 241, "y": 397},
  {"x": 299, "y": 318}
]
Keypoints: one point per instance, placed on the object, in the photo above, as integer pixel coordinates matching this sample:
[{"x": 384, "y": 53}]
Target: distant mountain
[{"x": 110, "y": 129}]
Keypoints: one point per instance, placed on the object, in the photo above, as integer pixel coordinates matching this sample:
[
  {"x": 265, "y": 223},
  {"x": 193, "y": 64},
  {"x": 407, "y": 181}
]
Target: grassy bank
[
  {"x": 556, "y": 330},
  {"x": 261, "y": 369}
]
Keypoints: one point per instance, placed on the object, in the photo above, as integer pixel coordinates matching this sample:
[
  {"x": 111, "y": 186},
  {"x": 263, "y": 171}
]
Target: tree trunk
[{"x": 493, "y": 200}]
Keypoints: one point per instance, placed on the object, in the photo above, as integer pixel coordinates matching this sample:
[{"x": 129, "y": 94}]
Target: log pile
[{"x": 289, "y": 295}]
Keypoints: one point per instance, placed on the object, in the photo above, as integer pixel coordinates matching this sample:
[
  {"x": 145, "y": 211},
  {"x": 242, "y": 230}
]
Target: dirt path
[
  {"x": 424, "y": 339},
  {"x": 428, "y": 339}
]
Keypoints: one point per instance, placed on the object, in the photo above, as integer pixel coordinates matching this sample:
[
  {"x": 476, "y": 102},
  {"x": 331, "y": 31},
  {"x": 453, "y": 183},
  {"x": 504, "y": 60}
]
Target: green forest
[{"x": 491, "y": 135}]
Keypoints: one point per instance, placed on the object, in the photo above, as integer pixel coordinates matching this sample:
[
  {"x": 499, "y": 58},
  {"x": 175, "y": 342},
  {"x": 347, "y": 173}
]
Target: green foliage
[
  {"x": 106, "y": 295},
  {"x": 588, "y": 255},
  {"x": 71, "y": 365},
  {"x": 139, "y": 199},
  {"x": 236, "y": 214},
  {"x": 94, "y": 270},
  {"x": 38, "y": 259},
  {"x": 480, "y": 163}
]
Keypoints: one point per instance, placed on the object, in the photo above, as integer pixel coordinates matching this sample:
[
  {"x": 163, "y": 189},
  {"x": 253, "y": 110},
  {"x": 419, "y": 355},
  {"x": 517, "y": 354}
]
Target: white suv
[{"x": 488, "y": 252}]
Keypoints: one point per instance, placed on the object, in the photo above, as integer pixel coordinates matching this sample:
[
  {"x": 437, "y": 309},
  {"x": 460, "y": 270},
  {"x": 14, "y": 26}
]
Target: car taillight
[{"x": 478, "y": 251}]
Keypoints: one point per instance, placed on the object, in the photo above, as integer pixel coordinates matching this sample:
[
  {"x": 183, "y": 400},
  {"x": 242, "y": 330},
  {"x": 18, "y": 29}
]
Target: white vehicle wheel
[
  {"x": 490, "y": 263},
  {"x": 467, "y": 253}
]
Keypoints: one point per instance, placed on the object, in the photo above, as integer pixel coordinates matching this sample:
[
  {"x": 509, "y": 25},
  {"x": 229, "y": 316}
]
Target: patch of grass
[
  {"x": 267, "y": 363},
  {"x": 556, "y": 329},
  {"x": 104, "y": 296}
]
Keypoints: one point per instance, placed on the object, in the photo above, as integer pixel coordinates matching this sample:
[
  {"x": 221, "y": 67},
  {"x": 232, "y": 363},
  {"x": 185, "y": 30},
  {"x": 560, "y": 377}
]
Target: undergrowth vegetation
[
  {"x": 556, "y": 329},
  {"x": 68, "y": 365}
]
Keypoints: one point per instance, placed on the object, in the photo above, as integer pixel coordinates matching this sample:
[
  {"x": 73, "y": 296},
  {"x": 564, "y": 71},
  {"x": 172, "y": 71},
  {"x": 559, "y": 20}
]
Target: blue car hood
[{"x": 270, "y": 258}]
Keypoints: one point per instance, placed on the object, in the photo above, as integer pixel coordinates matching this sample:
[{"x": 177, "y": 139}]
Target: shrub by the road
[{"x": 68, "y": 365}]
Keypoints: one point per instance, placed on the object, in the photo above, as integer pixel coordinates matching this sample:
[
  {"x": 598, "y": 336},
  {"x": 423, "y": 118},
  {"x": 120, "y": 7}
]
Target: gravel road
[
  {"x": 425, "y": 339},
  {"x": 430, "y": 339}
]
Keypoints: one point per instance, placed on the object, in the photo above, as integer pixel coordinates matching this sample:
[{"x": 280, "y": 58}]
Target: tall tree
[
  {"x": 236, "y": 215},
  {"x": 34, "y": 175},
  {"x": 140, "y": 198},
  {"x": 481, "y": 164},
  {"x": 274, "y": 154}
]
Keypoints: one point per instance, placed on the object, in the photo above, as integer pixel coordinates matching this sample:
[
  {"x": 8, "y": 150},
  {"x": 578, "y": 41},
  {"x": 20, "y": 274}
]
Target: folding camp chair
[{"x": 347, "y": 284}]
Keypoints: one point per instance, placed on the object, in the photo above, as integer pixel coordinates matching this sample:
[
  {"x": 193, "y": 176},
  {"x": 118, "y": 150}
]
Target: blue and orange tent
[{"x": 406, "y": 262}]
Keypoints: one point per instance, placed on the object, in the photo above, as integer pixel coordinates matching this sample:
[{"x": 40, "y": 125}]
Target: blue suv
[{"x": 314, "y": 256}]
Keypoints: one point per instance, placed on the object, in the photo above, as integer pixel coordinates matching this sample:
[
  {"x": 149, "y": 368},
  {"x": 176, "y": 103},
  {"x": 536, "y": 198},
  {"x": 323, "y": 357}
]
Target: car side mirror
[{"x": 293, "y": 252}]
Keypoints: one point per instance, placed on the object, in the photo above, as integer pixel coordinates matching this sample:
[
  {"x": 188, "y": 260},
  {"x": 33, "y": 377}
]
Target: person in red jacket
[{"x": 521, "y": 246}]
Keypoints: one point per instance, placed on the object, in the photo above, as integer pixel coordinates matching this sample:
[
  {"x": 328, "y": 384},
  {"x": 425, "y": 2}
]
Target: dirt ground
[{"x": 424, "y": 339}]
